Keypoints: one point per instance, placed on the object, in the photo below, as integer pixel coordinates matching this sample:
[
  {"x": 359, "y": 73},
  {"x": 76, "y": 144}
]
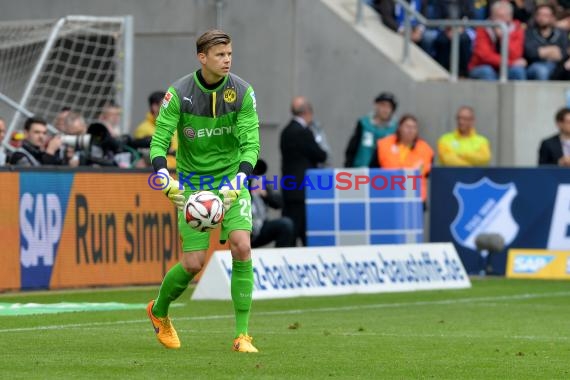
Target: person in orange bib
[{"x": 406, "y": 150}]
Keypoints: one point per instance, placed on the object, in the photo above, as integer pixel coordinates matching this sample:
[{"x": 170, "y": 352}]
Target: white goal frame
[{"x": 123, "y": 80}]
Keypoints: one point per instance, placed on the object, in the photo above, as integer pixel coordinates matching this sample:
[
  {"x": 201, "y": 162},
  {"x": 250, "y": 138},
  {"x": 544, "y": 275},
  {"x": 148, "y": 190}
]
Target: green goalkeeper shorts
[{"x": 238, "y": 217}]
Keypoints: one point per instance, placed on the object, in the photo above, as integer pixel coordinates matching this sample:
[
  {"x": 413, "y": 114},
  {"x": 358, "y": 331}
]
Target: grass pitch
[{"x": 499, "y": 329}]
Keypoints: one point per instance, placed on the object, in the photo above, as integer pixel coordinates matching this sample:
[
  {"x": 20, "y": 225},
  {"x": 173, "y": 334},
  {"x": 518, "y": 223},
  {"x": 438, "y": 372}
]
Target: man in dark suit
[
  {"x": 299, "y": 152},
  {"x": 555, "y": 150}
]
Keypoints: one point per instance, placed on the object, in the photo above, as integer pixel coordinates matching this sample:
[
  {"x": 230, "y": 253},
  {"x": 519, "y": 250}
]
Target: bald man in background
[{"x": 299, "y": 152}]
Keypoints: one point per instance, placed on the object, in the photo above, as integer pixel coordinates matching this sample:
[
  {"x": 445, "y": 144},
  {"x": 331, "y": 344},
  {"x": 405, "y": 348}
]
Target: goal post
[{"x": 78, "y": 62}]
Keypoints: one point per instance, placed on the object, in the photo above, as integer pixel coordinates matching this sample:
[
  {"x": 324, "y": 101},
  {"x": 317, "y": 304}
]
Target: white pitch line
[
  {"x": 302, "y": 311},
  {"x": 390, "y": 335}
]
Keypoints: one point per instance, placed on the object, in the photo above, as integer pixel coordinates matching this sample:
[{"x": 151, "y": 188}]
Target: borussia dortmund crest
[{"x": 229, "y": 95}]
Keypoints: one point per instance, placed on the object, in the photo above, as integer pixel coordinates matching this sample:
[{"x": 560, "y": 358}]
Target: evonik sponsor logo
[{"x": 192, "y": 133}]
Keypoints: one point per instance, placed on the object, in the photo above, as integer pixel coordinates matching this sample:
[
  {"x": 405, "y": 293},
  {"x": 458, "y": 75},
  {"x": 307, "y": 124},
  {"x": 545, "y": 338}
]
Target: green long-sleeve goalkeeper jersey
[{"x": 217, "y": 129}]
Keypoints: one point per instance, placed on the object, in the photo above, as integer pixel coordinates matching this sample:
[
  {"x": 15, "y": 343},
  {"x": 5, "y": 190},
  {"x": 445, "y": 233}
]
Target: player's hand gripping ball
[{"x": 204, "y": 211}]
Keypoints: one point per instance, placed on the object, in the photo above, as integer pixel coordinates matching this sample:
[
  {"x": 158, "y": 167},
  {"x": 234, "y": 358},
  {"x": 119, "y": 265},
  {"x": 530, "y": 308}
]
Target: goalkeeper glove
[
  {"x": 172, "y": 189},
  {"x": 231, "y": 192}
]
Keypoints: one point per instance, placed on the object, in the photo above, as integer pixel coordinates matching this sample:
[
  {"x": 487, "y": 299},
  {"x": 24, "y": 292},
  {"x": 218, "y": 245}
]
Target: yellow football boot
[
  {"x": 165, "y": 332},
  {"x": 243, "y": 344}
]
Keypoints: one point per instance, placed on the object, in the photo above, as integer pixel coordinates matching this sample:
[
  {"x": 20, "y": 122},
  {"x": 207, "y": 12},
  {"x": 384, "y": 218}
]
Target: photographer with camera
[
  {"x": 36, "y": 150},
  {"x": 110, "y": 117},
  {"x": 74, "y": 128},
  {"x": 99, "y": 148},
  {"x": 96, "y": 145}
]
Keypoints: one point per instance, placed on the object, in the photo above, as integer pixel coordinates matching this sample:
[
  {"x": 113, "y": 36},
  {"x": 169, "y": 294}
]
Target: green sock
[
  {"x": 241, "y": 289},
  {"x": 174, "y": 284}
]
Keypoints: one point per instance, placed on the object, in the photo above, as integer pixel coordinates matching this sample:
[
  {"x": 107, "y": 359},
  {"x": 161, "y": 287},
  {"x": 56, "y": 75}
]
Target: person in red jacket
[{"x": 486, "y": 58}]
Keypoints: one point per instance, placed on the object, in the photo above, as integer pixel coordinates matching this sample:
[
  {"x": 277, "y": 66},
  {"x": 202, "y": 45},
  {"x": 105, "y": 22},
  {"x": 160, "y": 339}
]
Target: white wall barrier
[{"x": 319, "y": 271}]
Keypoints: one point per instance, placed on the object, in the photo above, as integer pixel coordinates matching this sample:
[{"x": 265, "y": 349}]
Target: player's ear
[{"x": 202, "y": 58}]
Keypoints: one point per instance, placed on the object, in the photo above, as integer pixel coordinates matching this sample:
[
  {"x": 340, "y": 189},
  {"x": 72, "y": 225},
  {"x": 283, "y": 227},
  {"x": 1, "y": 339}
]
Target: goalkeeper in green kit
[{"x": 213, "y": 113}]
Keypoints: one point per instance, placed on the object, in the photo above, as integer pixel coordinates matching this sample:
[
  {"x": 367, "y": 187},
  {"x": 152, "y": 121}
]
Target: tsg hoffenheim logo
[{"x": 484, "y": 207}]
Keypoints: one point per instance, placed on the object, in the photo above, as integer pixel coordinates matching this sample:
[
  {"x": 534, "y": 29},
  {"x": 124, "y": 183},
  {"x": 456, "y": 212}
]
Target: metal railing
[{"x": 410, "y": 13}]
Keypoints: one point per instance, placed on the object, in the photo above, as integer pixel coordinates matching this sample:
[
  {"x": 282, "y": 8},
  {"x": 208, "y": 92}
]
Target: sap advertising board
[
  {"x": 68, "y": 230},
  {"x": 529, "y": 207}
]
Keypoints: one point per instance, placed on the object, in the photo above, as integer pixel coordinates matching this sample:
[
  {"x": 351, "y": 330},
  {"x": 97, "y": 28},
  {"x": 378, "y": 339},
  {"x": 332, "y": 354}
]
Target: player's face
[
  {"x": 217, "y": 61},
  {"x": 37, "y": 135}
]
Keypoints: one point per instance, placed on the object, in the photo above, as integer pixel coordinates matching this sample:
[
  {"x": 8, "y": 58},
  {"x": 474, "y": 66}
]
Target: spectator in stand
[
  {"x": 480, "y": 10},
  {"x": 559, "y": 5},
  {"x": 522, "y": 9},
  {"x": 3, "y": 152},
  {"x": 562, "y": 11},
  {"x": 110, "y": 116},
  {"x": 369, "y": 129},
  {"x": 299, "y": 152},
  {"x": 74, "y": 124},
  {"x": 417, "y": 28},
  {"x": 406, "y": 150},
  {"x": 386, "y": 10},
  {"x": 265, "y": 230},
  {"x": 16, "y": 140},
  {"x": 555, "y": 150},
  {"x": 453, "y": 10},
  {"x": 393, "y": 16},
  {"x": 464, "y": 146},
  {"x": 486, "y": 59},
  {"x": 34, "y": 151},
  {"x": 70, "y": 123},
  {"x": 422, "y": 36},
  {"x": 147, "y": 127},
  {"x": 59, "y": 121},
  {"x": 545, "y": 46}
]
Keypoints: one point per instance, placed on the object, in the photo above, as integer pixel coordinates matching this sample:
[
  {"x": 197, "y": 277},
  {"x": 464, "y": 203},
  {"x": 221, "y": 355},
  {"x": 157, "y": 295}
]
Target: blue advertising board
[
  {"x": 363, "y": 206},
  {"x": 528, "y": 207}
]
